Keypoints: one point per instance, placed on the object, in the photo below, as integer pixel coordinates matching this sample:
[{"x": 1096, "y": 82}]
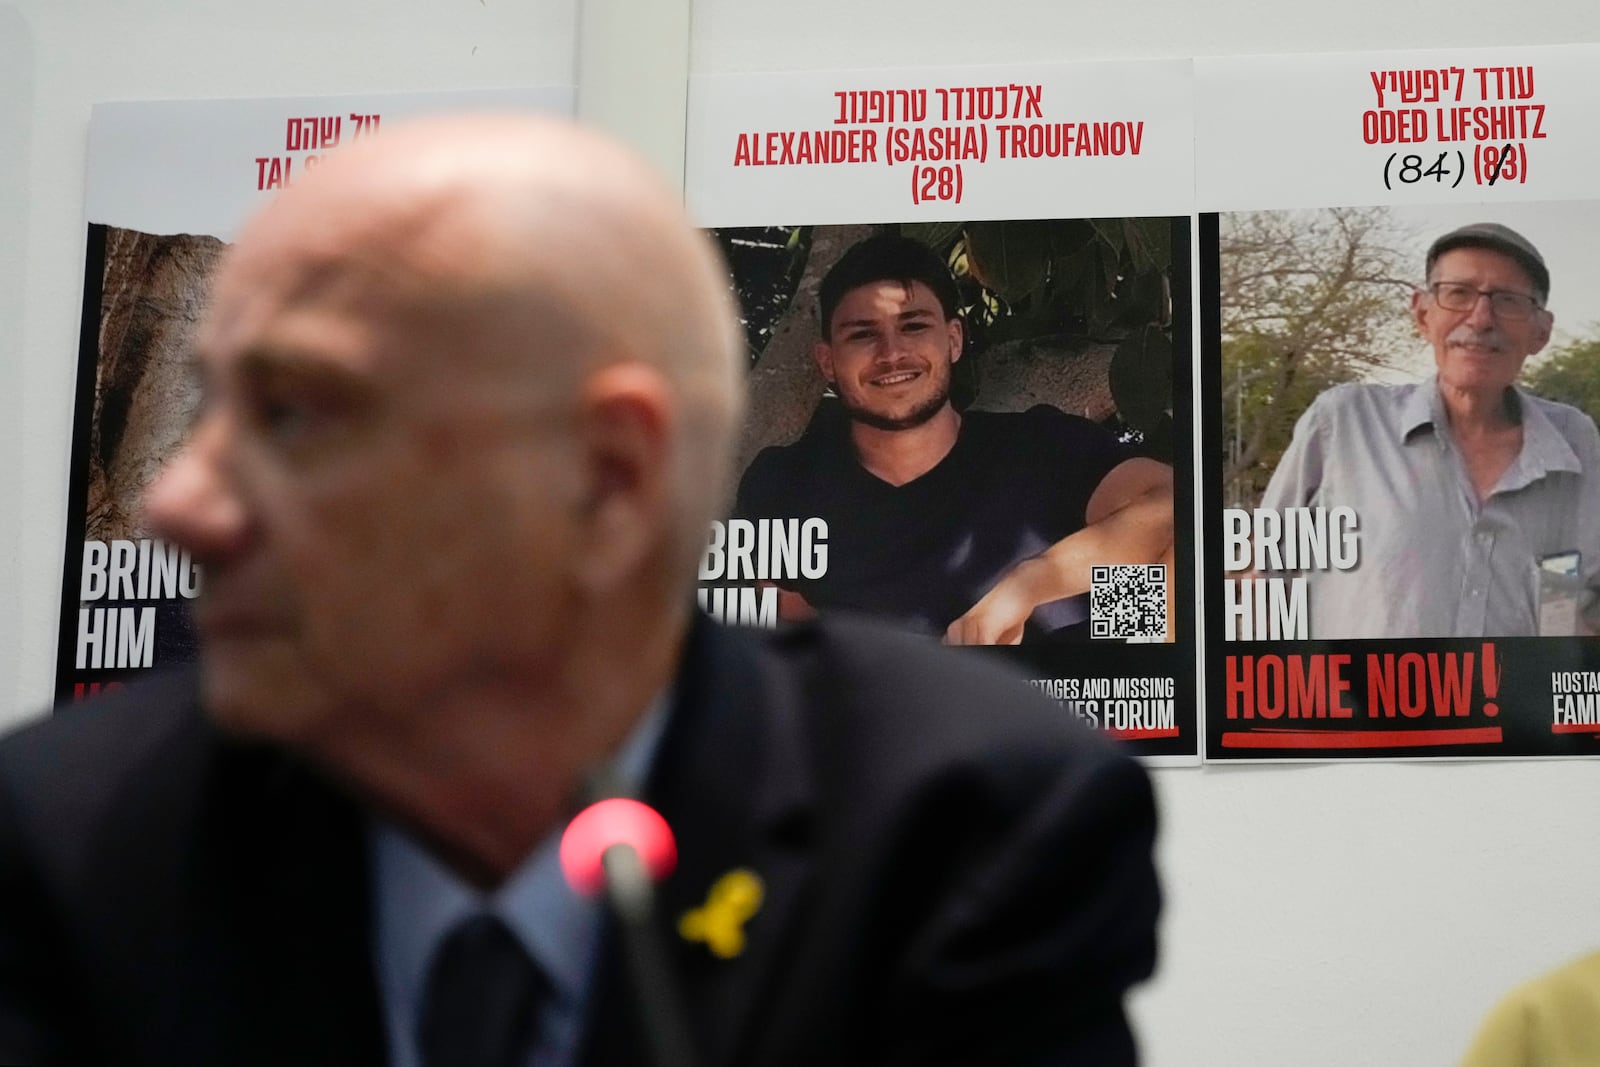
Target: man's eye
[
  {"x": 916, "y": 327},
  {"x": 859, "y": 335},
  {"x": 1516, "y": 303},
  {"x": 287, "y": 420}
]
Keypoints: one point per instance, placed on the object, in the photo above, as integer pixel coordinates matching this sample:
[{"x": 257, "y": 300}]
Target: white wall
[
  {"x": 16, "y": 122},
  {"x": 1316, "y": 916}
]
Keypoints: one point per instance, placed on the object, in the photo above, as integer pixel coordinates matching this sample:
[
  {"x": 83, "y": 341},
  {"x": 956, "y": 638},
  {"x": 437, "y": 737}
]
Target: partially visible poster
[
  {"x": 168, "y": 185},
  {"x": 1400, "y": 381},
  {"x": 965, "y": 295}
]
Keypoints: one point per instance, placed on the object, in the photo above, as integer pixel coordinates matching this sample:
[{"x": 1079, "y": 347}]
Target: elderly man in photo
[
  {"x": 1478, "y": 503},
  {"x": 470, "y": 390}
]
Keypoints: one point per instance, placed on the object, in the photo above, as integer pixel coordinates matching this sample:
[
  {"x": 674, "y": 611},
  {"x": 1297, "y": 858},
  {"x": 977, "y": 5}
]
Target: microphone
[{"x": 620, "y": 848}]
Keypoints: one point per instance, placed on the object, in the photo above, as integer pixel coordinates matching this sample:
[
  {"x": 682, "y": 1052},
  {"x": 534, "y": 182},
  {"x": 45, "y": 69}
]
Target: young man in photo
[{"x": 978, "y": 526}]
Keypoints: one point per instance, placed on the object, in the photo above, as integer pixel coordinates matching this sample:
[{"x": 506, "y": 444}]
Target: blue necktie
[{"x": 481, "y": 1003}]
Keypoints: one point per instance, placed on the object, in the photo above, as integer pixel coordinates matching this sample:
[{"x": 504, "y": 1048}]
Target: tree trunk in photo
[
  {"x": 785, "y": 385},
  {"x": 155, "y": 291}
]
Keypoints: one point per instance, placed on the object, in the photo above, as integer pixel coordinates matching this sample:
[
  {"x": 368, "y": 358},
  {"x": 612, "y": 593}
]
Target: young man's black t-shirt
[{"x": 921, "y": 554}]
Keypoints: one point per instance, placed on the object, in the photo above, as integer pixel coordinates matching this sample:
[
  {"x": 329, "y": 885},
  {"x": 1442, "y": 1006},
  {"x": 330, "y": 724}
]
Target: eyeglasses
[{"x": 1453, "y": 296}]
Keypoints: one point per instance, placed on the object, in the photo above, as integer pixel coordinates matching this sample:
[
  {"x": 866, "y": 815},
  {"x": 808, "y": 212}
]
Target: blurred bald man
[{"x": 470, "y": 391}]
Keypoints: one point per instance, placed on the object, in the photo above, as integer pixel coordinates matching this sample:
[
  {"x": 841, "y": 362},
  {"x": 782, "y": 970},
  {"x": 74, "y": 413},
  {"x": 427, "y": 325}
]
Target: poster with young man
[
  {"x": 1400, "y": 384},
  {"x": 168, "y": 185},
  {"x": 966, "y": 299}
]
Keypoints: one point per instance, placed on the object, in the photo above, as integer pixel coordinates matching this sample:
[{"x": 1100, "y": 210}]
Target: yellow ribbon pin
[{"x": 719, "y": 922}]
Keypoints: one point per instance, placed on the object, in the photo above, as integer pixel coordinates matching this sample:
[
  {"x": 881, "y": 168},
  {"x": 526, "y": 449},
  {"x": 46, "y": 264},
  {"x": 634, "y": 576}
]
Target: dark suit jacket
[{"x": 954, "y": 873}]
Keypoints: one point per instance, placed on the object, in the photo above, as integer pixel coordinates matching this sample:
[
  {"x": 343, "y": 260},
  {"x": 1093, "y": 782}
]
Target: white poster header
[
  {"x": 204, "y": 166},
  {"x": 1442, "y": 126},
  {"x": 1039, "y": 141}
]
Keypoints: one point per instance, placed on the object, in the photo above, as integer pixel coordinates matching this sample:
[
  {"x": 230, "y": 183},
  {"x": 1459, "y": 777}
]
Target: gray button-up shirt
[{"x": 1434, "y": 560}]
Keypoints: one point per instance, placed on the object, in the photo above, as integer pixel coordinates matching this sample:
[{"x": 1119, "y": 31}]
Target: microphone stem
[{"x": 631, "y": 896}]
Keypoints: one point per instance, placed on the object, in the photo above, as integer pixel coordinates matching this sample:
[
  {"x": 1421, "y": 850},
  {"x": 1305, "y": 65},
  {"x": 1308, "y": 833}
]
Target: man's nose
[
  {"x": 1482, "y": 314},
  {"x": 896, "y": 346},
  {"x": 193, "y": 503}
]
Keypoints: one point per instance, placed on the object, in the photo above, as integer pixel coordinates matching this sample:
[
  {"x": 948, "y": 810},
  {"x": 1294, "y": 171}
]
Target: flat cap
[{"x": 1498, "y": 238}]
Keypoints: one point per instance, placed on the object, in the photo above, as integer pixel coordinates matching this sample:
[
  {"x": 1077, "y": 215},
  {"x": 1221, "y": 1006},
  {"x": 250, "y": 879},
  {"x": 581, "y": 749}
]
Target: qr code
[{"x": 1128, "y": 601}]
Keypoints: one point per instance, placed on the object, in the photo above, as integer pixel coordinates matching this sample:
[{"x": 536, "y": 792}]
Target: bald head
[
  {"x": 471, "y": 392},
  {"x": 558, "y": 248}
]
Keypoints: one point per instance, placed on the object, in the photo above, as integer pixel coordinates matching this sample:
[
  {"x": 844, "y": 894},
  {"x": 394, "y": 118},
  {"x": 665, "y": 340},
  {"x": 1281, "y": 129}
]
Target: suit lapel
[
  {"x": 291, "y": 899},
  {"x": 733, "y": 780}
]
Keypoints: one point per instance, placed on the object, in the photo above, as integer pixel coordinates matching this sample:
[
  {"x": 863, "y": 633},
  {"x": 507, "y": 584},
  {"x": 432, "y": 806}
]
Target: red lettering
[
  {"x": 1394, "y": 127},
  {"x": 1412, "y": 685},
  {"x": 1339, "y": 687},
  {"x": 1403, "y": 685},
  {"x": 1240, "y": 688},
  {"x": 1308, "y": 688},
  {"x": 1270, "y": 686}
]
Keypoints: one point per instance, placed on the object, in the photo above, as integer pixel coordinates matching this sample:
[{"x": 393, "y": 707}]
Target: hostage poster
[
  {"x": 965, "y": 297},
  {"x": 1400, "y": 333},
  {"x": 168, "y": 185}
]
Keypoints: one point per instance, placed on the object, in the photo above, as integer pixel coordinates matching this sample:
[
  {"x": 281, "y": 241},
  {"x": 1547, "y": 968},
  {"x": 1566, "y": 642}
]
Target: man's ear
[
  {"x": 1420, "y": 302},
  {"x": 955, "y": 333},
  {"x": 1541, "y": 337},
  {"x": 627, "y": 440},
  {"x": 822, "y": 353}
]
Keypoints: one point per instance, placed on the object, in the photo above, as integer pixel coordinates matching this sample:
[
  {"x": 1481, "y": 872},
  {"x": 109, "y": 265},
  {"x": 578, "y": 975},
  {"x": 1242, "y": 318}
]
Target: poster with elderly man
[
  {"x": 966, "y": 302},
  {"x": 1400, "y": 375}
]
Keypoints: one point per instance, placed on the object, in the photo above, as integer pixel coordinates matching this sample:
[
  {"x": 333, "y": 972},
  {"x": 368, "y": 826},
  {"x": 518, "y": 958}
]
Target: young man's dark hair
[{"x": 888, "y": 256}]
